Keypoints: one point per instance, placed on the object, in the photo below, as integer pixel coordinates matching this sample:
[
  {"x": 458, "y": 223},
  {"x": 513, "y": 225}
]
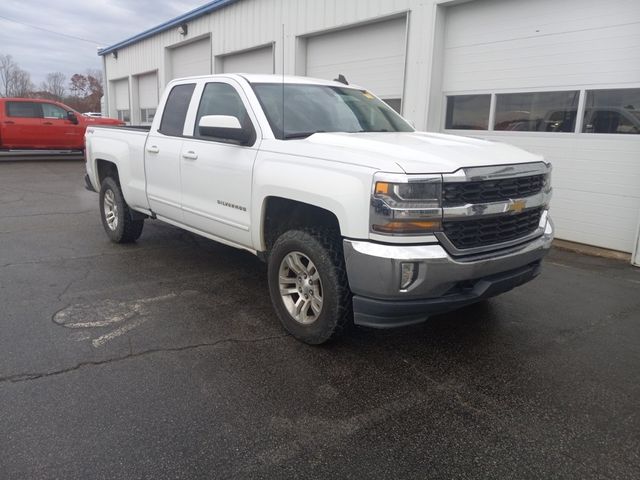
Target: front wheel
[
  {"x": 117, "y": 218},
  {"x": 308, "y": 285}
]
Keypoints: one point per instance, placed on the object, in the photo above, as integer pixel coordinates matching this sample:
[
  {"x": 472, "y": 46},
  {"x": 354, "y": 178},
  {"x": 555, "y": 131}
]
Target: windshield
[{"x": 309, "y": 109}]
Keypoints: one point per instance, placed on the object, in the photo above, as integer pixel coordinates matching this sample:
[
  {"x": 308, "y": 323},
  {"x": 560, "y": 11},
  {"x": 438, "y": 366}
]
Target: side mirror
[
  {"x": 71, "y": 116},
  {"x": 224, "y": 127}
]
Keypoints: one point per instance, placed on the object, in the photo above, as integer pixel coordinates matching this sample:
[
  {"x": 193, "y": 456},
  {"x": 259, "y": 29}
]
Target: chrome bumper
[{"x": 374, "y": 272}]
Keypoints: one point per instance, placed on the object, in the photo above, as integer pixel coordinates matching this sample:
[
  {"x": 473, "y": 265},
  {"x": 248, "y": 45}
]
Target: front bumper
[{"x": 442, "y": 282}]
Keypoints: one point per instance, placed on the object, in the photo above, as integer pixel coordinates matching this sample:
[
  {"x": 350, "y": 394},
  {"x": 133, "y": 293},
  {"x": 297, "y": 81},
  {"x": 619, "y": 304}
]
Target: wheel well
[
  {"x": 283, "y": 214},
  {"x": 106, "y": 169}
]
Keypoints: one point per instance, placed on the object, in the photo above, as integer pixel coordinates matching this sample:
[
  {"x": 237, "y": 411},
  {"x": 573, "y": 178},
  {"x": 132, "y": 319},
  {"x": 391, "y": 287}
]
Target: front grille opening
[
  {"x": 489, "y": 231},
  {"x": 461, "y": 193}
]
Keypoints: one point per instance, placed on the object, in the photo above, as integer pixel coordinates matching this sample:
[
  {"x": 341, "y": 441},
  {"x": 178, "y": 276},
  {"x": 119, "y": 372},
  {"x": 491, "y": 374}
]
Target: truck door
[
  {"x": 22, "y": 126},
  {"x": 216, "y": 174},
  {"x": 162, "y": 155},
  {"x": 58, "y": 130}
]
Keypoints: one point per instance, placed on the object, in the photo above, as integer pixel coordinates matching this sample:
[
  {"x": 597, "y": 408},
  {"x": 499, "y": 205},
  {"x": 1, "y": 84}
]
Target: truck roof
[{"x": 266, "y": 78}]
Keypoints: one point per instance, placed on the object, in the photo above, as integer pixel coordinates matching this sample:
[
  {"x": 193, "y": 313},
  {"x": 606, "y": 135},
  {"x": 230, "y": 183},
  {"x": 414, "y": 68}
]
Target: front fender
[{"x": 342, "y": 189}]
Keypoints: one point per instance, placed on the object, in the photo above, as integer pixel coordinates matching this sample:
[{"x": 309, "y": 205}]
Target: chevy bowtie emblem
[{"x": 517, "y": 206}]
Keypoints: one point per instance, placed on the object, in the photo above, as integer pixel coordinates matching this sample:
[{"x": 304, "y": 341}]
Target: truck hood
[{"x": 409, "y": 152}]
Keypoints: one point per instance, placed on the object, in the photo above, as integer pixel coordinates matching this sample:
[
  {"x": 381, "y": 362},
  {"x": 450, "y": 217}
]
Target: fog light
[{"x": 408, "y": 274}]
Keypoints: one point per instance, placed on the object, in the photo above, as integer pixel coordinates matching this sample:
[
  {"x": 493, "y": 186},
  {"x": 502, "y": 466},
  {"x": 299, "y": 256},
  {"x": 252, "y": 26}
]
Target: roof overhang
[{"x": 195, "y": 13}]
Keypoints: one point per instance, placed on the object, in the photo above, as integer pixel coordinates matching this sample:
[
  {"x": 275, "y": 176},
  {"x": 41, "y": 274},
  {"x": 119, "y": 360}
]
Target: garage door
[
  {"x": 371, "y": 55},
  {"x": 121, "y": 91},
  {"x": 259, "y": 60},
  {"x": 191, "y": 59},
  {"x": 544, "y": 62},
  {"x": 147, "y": 97}
]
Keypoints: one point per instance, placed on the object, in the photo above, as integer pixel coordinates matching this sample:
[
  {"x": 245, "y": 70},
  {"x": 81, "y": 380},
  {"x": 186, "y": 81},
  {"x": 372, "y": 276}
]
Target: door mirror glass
[
  {"x": 72, "y": 117},
  {"x": 223, "y": 127}
]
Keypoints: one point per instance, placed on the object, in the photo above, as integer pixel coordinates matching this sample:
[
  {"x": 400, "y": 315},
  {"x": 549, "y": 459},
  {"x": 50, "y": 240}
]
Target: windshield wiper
[{"x": 301, "y": 134}]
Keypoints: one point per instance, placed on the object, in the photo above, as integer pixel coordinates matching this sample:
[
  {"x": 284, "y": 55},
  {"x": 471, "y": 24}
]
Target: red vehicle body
[{"x": 36, "y": 124}]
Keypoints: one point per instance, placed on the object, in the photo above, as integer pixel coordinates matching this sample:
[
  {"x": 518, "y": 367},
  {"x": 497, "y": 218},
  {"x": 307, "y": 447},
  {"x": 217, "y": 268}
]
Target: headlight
[
  {"x": 409, "y": 195},
  {"x": 546, "y": 186},
  {"x": 410, "y": 207}
]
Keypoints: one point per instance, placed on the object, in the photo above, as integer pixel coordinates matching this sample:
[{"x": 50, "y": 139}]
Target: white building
[{"x": 557, "y": 77}]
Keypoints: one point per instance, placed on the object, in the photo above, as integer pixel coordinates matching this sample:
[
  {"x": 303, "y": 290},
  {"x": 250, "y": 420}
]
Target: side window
[
  {"x": 24, "y": 109},
  {"x": 175, "y": 110},
  {"x": 468, "y": 112},
  {"x": 53, "y": 111},
  {"x": 222, "y": 99},
  {"x": 537, "y": 111},
  {"x": 612, "y": 111}
]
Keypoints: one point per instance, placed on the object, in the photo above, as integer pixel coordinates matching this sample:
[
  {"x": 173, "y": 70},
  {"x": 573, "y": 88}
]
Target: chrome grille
[
  {"x": 462, "y": 193},
  {"x": 464, "y": 234}
]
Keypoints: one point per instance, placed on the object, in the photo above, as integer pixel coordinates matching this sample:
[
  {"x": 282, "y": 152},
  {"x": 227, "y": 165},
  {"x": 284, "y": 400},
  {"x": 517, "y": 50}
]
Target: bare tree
[
  {"x": 8, "y": 68},
  {"x": 55, "y": 85},
  {"x": 14, "y": 82},
  {"x": 21, "y": 84}
]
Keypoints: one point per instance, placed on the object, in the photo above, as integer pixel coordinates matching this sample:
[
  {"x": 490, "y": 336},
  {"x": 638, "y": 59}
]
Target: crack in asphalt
[
  {"x": 68, "y": 286},
  {"x": 26, "y": 377}
]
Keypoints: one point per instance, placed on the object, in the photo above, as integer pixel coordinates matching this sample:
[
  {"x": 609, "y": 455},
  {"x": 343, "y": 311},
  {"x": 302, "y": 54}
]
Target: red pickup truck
[{"x": 35, "y": 124}]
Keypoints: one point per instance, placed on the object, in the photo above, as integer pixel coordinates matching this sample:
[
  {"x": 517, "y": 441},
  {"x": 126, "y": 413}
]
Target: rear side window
[
  {"x": 24, "y": 109},
  {"x": 175, "y": 110}
]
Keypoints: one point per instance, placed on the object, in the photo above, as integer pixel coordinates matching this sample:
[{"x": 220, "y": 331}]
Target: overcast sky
[{"x": 103, "y": 22}]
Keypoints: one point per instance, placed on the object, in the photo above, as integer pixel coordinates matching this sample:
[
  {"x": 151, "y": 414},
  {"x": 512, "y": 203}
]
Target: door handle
[
  {"x": 190, "y": 155},
  {"x": 153, "y": 149},
  {"x": 9, "y": 122},
  {"x": 47, "y": 123}
]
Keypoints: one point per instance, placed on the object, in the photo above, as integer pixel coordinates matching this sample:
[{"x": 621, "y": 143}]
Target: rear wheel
[
  {"x": 308, "y": 285},
  {"x": 117, "y": 217}
]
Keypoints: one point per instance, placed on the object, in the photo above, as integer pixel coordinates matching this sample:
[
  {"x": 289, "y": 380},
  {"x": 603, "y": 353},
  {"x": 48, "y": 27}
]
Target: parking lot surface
[{"x": 164, "y": 359}]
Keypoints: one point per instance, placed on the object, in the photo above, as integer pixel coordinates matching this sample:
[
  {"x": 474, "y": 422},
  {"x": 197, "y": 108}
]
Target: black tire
[
  {"x": 324, "y": 249},
  {"x": 127, "y": 229}
]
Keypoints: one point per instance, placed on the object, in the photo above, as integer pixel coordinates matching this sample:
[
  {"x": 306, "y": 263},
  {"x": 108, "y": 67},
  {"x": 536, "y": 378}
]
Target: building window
[
  {"x": 395, "y": 103},
  {"x": 537, "y": 111},
  {"x": 468, "y": 112},
  {"x": 124, "y": 115},
  {"x": 612, "y": 111},
  {"x": 147, "y": 114}
]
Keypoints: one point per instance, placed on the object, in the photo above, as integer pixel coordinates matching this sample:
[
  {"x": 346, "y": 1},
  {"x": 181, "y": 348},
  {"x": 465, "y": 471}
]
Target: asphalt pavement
[{"x": 164, "y": 360}]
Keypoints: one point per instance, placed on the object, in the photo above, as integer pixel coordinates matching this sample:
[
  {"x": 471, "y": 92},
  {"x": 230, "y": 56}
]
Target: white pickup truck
[{"x": 361, "y": 219}]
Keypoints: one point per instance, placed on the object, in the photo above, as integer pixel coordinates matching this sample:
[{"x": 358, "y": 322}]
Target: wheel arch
[{"x": 280, "y": 214}]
